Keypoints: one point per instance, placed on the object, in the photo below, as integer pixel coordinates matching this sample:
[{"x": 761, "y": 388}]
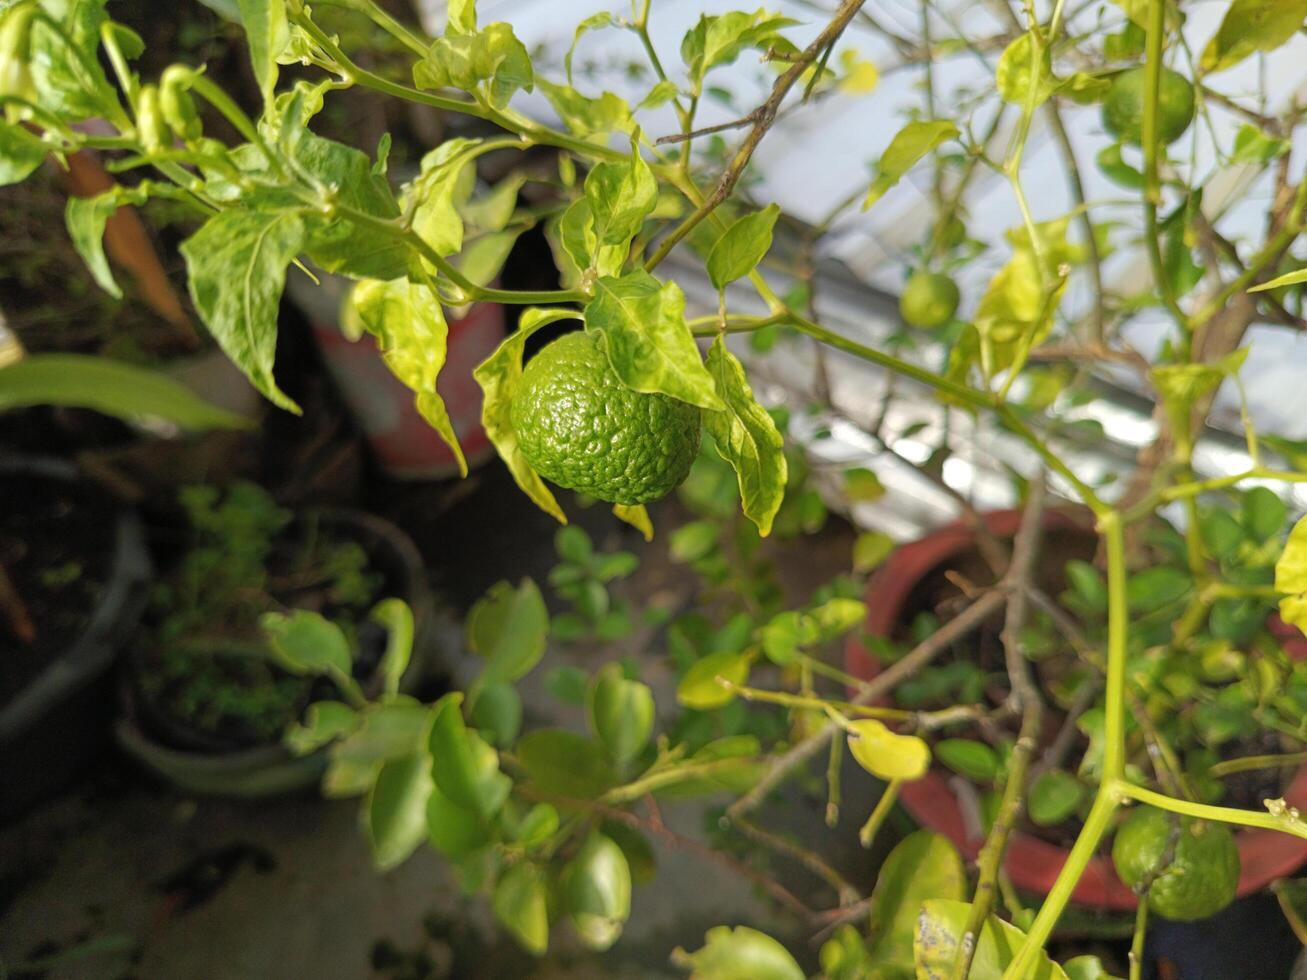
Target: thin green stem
[
  {"x": 1086, "y": 845},
  {"x": 1114, "y": 755},
  {"x": 1155, "y": 39},
  {"x": 394, "y": 28},
  {"x": 235, "y": 115},
  {"x": 878, "y": 814},
  {"x": 1137, "y": 943},
  {"x": 1287, "y": 820}
]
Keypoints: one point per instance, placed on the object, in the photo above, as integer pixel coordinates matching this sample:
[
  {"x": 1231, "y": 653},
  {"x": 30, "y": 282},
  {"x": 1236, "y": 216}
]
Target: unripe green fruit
[
  {"x": 1123, "y": 107},
  {"x": 929, "y": 300}
]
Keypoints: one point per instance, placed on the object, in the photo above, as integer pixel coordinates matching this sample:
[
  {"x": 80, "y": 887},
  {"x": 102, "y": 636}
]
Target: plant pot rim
[
  {"x": 220, "y": 772},
  {"x": 1032, "y": 863},
  {"x": 109, "y": 623}
]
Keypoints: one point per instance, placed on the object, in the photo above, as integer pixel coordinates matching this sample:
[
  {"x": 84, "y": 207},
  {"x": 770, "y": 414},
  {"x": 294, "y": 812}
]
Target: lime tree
[{"x": 581, "y": 427}]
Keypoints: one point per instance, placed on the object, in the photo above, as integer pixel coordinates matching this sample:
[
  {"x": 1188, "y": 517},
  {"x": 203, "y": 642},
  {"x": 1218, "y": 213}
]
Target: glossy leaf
[
  {"x": 438, "y": 190},
  {"x": 497, "y": 713},
  {"x": 922, "y": 866},
  {"x": 65, "y": 63},
  {"x": 746, "y": 436},
  {"x": 236, "y": 269},
  {"x": 267, "y": 32},
  {"x": 700, "y": 688},
  {"x": 111, "y": 387},
  {"x": 786, "y": 634},
  {"x": 1054, "y": 797},
  {"x": 453, "y": 830},
  {"x": 742, "y": 246},
  {"x": 975, "y": 760},
  {"x": 649, "y": 343},
  {"x": 1291, "y": 577},
  {"x": 21, "y": 153},
  {"x": 1263, "y": 513},
  {"x": 592, "y": 119},
  {"x": 1250, "y": 26},
  {"x": 1024, "y": 74},
  {"x": 396, "y": 616},
  {"x": 409, "y": 324},
  {"x": 886, "y": 754},
  {"x": 718, "y": 40},
  {"x": 620, "y": 712},
  {"x": 508, "y": 627},
  {"x": 566, "y": 763},
  {"x": 739, "y": 954},
  {"x": 521, "y": 905},
  {"x": 324, "y": 722},
  {"x": 621, "y": 196},
  {"x": 498, "y": 375},
  {"x": 596, "y": 887},
  {"x": 940, "y": 930},
  {"x": 304, "y": 642},
  {"x": 86, "y": 218},
  {"x": 837, "y": 616},
  {"x": 909, "y": 145},
  {"x": 397, "y": 809},
  {"x": 464, "y": 767}
]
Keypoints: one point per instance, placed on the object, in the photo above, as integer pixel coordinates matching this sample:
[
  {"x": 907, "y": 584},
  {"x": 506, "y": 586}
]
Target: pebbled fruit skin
[
  {"x": 1123, "y": 106},
  {"x": 929, "y": 299},
  {"x": 581, "y": 428},
  {"x": 1203, "y": 875}
]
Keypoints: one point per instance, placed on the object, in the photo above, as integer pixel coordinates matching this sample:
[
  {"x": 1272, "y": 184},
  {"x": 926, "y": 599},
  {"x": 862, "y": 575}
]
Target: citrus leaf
[
  {"x": 437, "y": 189},
  {"x": 592, "y": 23},
  {"x": 396, "y": 811},
  {"x": 742, "y": 246},
  {"x": 940, "y": 930},
  {"x": 305, "y": 642},
  {"x": 975, "y": 760},
  {"x": 409, "y": 324},
  {"x": 1252, "y": 145},
  {"x": 700, "y": 689},
  {"x": 649, "y": 343},
  {"x": 464, "y": 767},
  {"x": 521, "y": 904},
  {"x": 739, "y": 954},
  {"x": 453, "y": 831},
  {"x": 719, "y": 39},
  {"x": 637, "y": 516},
  {"x": 1026, "y": 63},
  {"x": 886, "y": 754},
  {"x": 1288, "y": 279},
  {"x": 267, "y": 32},
  {"x": 746, "y": 437},
  {"x": 1054, "y": 797},
  {"x": 498, "y": 375},
  {"x": 621, "y": 196},
  {"x": 924, "y": 865},
  {"x": 870, "y": 549},
  {"x": 1250, "y": 26},
  {"x": 908, "y": 146},
  {"x": 563, "y": 762},
  {"x": 21, "y": 153},
  {"x": 620, "y": 713},
  {"x": 508, "y": 627},
  {"x": 1291, "y": 577},
  {"x": 86, "y": 218},
  {"x": 111, "y": 387},
  {"x": 236, "y": 270},
  {"x": 460, "y": 17},
  {"x": 324, "y": 722},
  {"x": 397, "y": 618}
]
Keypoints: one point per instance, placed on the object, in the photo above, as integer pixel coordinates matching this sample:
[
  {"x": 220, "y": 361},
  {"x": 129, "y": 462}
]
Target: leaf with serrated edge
[
  {"x": 409, "y": 324},
  {"x": 649, "y": 343},
  {"x": 236, "y": 270},
  {"x": 747, "y": 438}
]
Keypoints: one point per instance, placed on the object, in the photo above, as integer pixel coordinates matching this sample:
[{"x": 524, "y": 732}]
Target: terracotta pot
[{"x": 1032, "y": 863}]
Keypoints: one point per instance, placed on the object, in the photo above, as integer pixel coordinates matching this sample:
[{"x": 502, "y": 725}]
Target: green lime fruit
[
  {"x": 1202, "y": 876},
  {"x": 581, "y": 427},
  {"x": 1123, "y": 107},
  {"x": 929, "y": 299}
]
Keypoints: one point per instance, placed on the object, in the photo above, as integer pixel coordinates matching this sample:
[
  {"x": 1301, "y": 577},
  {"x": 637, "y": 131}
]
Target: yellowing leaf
[
  {"x": 886, "y": 754},
  {"x": 1250, "y": 26},
  {"x": 637, "y": 516},
  {"x": 1291, "y": 577},
  {"x": 908, "y": 146},
  {"x": 860, "y": 77}
]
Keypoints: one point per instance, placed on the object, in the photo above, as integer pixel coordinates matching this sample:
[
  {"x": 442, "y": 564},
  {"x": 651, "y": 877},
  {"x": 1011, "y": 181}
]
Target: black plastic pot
[
  {"x": 185, "y": 760},
  {"x": 59, "y": 723}
]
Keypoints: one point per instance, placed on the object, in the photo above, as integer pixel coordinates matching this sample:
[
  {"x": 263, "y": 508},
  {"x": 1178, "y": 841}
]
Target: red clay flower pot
[{"x": 1033, "y": 864}]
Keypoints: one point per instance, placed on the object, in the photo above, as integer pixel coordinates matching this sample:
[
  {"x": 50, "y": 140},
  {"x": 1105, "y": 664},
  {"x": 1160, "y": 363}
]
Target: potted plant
[
  {"x": 617, "y": 411},
  {"x": 207, "y": 694},
  {"x": 1198, "y": 731}
]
